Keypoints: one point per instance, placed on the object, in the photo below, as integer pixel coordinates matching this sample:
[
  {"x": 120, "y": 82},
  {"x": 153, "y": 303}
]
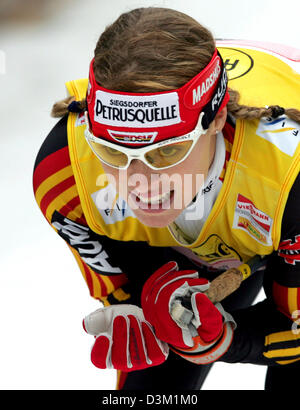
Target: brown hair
[{"x": 157, "y": 49}]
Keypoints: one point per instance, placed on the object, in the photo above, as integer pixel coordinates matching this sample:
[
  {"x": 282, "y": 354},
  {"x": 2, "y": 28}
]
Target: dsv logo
[{"x": 237, "y": 62}]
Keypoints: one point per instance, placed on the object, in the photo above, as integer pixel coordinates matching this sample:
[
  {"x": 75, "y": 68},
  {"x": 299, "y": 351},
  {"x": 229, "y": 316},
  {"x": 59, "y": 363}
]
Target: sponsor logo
[
  {"x": 86, "y": 243},
  {"x": 206, "y": 85},
  {"x": 218, "y": 97},
  {"x": 289, "y": 250},
  {"x": 237, "y": 62},
  {"x": 133, "y": 137},
  {"x": 136, "y": 111},
  {"x": 111, "y": 206},
  {"x": 217, "y": 254},
  {"x": 208, "y": 187},
  {"x": 283, "y": 132},
  {"x": 249, "y": 227},
  {"x": 252, "y": 220},
  {"x": 80, "y": 120}
]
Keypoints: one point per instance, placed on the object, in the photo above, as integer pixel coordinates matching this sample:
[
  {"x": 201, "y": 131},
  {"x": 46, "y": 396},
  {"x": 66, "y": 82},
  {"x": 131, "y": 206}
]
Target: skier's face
[{"x": 158, "y": 197}]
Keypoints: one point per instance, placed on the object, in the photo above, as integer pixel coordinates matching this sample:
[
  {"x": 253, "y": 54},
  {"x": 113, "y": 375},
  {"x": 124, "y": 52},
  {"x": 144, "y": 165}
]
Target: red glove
[
  {"x": 124, "y": 339},
  {"x": 174, "y": 303}
]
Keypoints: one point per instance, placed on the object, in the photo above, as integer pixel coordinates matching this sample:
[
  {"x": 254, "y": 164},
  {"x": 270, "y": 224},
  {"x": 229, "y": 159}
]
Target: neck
[{"x": 211, "y": 154}]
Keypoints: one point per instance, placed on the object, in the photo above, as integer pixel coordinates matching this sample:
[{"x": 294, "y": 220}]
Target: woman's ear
[{"x": 220, "y": 119}]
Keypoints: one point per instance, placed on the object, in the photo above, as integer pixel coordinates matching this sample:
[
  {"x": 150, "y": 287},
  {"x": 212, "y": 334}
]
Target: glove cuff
[{"x": 205, "y": 353}]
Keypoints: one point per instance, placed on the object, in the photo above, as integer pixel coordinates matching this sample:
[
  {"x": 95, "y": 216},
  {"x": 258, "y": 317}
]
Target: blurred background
[{"x": 43, "y": 298}]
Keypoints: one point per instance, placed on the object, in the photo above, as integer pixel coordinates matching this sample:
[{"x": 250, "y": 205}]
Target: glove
[
  {"x": 182, "y": 315},
  {"x": 124, "y": 339}
]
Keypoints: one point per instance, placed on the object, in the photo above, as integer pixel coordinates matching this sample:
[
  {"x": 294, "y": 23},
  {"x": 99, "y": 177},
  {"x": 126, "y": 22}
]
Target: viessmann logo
[{"x": 252, "y": 220}]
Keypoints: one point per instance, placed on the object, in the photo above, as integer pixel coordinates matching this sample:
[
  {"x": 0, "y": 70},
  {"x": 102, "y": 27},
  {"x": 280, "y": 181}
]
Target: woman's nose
[
  {"x": 140, "y": 176},
  {"x": 138, "y": 167}
]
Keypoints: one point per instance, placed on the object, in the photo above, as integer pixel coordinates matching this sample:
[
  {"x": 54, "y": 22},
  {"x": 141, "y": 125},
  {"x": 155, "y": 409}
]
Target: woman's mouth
[{"x": 156, "y": 203}]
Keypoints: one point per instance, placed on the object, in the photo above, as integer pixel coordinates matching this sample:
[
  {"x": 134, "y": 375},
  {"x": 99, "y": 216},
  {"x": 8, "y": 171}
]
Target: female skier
[{"x": 160, "y": 176}]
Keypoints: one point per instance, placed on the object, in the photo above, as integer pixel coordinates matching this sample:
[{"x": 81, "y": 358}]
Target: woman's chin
[{"x": 156, "y": 219}]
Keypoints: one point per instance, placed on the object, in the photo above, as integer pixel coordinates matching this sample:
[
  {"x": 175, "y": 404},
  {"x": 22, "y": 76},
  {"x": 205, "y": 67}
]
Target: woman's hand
[
  {"x": 124, "y": 339},
  {"x": 201, "y": 327}
]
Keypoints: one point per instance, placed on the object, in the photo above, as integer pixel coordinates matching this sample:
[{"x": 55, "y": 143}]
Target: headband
[{"x": 138, "y": 119}]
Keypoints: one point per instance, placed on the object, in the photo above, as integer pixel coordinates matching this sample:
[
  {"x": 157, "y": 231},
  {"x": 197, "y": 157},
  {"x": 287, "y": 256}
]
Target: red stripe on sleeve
[
  {"x": 103, "y": 287},
  {"x": 280, "y": 295},
  {"x": 119, "y": 280},
  {"x": 70, "y": 206},
  {"x": 88, "y": 278},
  {"x": 50, "y": 165},
  {"x": 55, "y": 192},
  {"x": 82, "y": 220}
]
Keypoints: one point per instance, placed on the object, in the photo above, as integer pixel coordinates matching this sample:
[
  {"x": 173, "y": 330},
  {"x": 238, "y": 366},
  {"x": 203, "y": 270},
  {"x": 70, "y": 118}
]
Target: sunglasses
[{"x": 162, "y": 155}]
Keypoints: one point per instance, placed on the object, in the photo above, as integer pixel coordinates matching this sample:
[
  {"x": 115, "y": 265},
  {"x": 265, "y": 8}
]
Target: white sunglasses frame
[{"x": 139, "y": 153}]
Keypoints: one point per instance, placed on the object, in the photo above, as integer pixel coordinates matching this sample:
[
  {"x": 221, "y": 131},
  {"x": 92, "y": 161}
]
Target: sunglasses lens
[
  {"x": 109, "y": 155},
  {"x": 168, "y": 155}
]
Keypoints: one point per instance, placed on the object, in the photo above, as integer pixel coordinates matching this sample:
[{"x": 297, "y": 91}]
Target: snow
[{"x": 43, "y": 297}]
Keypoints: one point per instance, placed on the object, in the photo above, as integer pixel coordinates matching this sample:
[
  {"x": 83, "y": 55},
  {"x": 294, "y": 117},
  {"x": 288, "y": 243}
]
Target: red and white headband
[{"x": 138, "y": 119}]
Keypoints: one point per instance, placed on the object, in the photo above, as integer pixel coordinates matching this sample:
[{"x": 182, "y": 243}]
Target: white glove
[{"x": 124, "y": 339}]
